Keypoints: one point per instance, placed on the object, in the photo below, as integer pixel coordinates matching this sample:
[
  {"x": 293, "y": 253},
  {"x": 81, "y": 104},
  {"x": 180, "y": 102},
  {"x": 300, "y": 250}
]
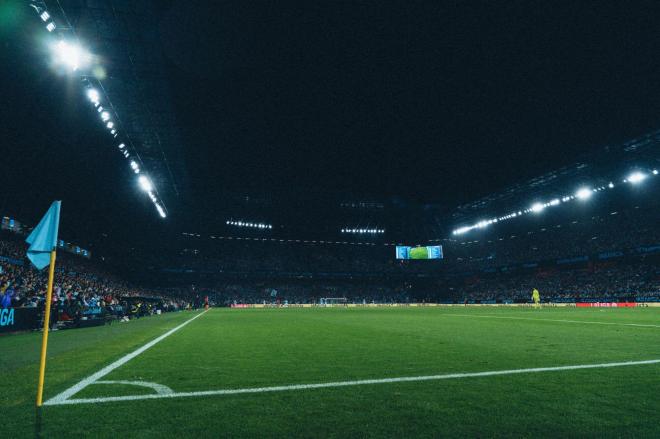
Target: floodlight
[
  {"x": 45, "y": 15},
  {"x": 110, "y": 125},
  {"x": 537, "y": 207},
  {"x": 611, "y": 185},
  {"x": 122, "y": 146},
  {"x": 161, "y": 211},
  {"x": 636, "y": 177},
  {"x": 655, "y": 172},
  {"x": 134, "y": 165},
  {"x": 50, "y": 26},
  {"x": 145, "y": 184},
  {"x": 71, "y": 55},
  {"x": 105, "y": 116},
  {"x": 93, "y": 95},
  {"x": 584, "y": 193}
]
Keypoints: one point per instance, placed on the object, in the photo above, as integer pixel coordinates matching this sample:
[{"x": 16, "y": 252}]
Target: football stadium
[{"x": 329, "y": 219}]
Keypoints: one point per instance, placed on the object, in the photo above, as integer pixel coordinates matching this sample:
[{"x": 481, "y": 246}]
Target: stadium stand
[{"x": 84, "y": 292}]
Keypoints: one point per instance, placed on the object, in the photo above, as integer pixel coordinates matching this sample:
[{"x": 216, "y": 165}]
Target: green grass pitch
[{"x": 255, "y": 348}]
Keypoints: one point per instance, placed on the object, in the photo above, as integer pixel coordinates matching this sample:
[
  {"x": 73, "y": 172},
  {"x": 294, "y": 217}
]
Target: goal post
[{"x": 333, "y": 301}]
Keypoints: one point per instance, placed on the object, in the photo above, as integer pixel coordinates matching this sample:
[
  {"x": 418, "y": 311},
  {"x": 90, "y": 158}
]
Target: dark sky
[
  {"x": 430, "y": 101},
  {"x": 427, "y": 101}
]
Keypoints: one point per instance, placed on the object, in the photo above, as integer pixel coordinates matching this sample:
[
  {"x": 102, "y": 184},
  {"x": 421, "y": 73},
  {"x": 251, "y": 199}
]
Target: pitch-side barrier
[{"x": 420, "y": 305}]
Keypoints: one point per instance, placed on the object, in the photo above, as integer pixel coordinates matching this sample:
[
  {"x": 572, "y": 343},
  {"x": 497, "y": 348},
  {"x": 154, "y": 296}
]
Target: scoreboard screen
[{"x": 427, "y": 252}]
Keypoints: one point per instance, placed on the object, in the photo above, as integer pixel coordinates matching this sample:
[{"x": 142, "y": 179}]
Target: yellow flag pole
[{"x": 44, "y": 340}]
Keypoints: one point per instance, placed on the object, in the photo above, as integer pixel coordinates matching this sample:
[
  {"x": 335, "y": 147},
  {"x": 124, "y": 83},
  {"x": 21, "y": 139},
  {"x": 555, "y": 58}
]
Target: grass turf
[{"x": 252, "y": 348}]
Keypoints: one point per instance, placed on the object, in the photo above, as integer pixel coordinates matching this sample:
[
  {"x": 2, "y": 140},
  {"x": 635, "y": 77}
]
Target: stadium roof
[
  {"x": 599, "y": 168},
  {"x": 311, "y": 108},
  {"x": 126, "y": 35}
]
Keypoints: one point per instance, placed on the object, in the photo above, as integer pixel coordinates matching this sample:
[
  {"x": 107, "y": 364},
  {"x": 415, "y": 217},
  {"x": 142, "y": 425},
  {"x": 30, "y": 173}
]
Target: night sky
[{"x": 429, "y": 102}]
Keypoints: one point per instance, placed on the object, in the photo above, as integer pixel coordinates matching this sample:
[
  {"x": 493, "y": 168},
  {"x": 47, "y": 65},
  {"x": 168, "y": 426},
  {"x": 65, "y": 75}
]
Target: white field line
[
  {"x": 345, "y": 383},
  {"x": 492, "y": 316},
  {"x": 159, "y": 388},
  {"x": 109, "y": 368}
]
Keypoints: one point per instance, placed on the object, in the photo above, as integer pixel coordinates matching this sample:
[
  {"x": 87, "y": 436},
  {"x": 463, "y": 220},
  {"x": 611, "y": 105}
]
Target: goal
[{"x": 331, "y": 301}]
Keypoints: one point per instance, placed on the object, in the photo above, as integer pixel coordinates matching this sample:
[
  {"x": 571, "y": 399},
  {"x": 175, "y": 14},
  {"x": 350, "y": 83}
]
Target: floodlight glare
[
  {"x": 611, "y": 185},
  {"x": 105, "y": 116},
  {"x": 161, "y": 211},
  {"x": 70, "y": 55},
  {"x": 145, "y": 184},
  {"x": 636, "y": 177},
  {"x": 93, "y": 95},
  {"x": 584, "y": 193},
  {"x": 655, "y": 172},
  {"x": 537, "y": 207}
]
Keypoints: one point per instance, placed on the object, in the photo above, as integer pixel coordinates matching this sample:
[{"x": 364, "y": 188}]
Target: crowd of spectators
[
  {"x": 611, "y": 253},
  {"x": 82, "y": 290},
  {"x": 242, "y": 256},
  {"x": 281, "y": 293},
  {"x": 608, "y": 255},
  {"x": 607, "y": 281},
  {"x": 603, "y": 281},
  {"x": 555, "y": 237}
]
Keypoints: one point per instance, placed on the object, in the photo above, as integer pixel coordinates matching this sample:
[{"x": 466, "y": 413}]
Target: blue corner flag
[{"x": 43, "y": 238}]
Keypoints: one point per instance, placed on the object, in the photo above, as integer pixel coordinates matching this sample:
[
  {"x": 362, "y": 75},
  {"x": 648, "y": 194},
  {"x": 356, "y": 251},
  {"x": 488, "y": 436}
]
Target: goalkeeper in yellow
[{"x": 536, "y": 298}]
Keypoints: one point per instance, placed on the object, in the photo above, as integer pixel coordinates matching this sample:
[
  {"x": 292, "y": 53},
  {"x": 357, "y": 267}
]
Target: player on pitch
[{"x": 536, "y": 298}]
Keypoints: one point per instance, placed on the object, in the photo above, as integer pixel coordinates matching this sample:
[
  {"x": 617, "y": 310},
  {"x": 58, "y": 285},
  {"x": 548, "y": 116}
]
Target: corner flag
[
  {"x": 43, "y": 238},
  {"x": 43, "y": 243}
]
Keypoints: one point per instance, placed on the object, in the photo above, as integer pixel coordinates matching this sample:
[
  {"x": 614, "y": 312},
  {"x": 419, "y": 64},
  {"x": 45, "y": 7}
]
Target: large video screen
[{"x": 427, "y": 252}]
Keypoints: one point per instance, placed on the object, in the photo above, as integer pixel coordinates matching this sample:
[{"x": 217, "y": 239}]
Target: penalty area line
[
  {"x": 62, "y": 397},
  {"x": 347, "y": 383}
]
